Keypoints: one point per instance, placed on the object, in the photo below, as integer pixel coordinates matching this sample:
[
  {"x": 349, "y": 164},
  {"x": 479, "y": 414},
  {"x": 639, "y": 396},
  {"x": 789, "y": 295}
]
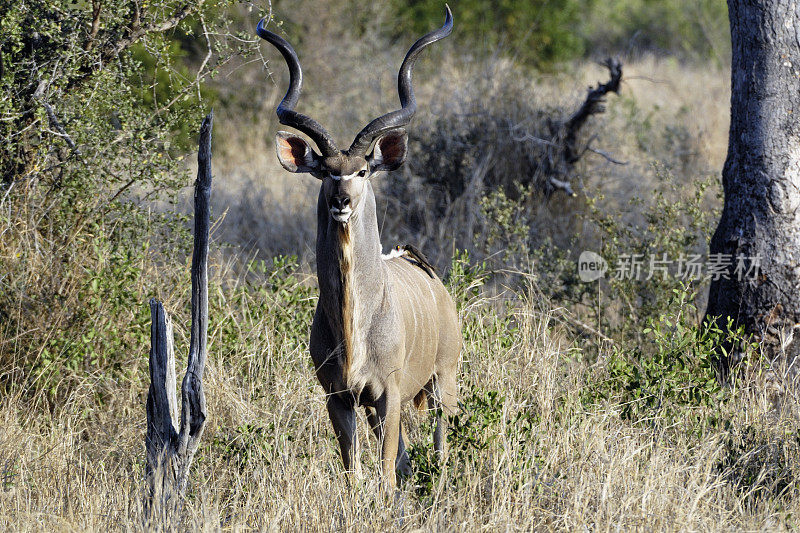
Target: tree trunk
[
  {"x": 760, "y": 224},
  {"x": 171, "y": 443}
]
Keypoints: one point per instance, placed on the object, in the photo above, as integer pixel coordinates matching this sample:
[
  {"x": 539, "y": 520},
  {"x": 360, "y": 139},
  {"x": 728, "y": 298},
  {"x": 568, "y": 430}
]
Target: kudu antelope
[{"x": 385, "y": 330}]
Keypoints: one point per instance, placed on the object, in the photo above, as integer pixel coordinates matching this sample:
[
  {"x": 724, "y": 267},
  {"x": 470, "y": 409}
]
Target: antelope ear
[
  {"x": 389, "y": 152},
  {"x": 295, "y": 154}
]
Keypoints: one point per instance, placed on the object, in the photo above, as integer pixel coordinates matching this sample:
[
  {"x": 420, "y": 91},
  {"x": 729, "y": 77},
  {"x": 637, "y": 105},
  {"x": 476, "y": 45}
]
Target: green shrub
[
  {"x": 465, "y": 279},
  {"x": 106, "y": 326},
  {"x": 470, "y": 433},
  {"x": 669, "y": 226},
  {"x": 670, "y": 378},
  {"x": 539, "y": 32},
  {"x": 687, "y": 29},
  {"x": 272, "y": 304},
  {"x": 95, "y": 127},
  {"x": 543, "y": 33}
]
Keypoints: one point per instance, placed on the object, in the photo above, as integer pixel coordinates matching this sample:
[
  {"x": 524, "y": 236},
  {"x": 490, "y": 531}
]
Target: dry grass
[{"x": 577, "y": 467}]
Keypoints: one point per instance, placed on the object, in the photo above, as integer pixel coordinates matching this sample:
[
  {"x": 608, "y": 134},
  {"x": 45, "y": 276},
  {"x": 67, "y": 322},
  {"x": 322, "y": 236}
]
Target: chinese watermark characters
[{"x": 592, "y": 266}]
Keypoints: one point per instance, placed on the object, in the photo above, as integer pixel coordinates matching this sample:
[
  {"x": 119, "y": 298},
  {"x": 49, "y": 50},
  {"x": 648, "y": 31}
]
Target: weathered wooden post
[{"x": 170, "y": 446}]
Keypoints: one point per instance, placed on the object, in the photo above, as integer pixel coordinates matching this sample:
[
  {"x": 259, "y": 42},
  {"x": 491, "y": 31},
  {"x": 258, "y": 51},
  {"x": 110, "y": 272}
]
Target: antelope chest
[{"x": 364, "y": 332}]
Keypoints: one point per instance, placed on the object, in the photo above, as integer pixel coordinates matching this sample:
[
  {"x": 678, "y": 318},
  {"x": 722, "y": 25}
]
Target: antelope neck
[{"x": 352, "y": 276}]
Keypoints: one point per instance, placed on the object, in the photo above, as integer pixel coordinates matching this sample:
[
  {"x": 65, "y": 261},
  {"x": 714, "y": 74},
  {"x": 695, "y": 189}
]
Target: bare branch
[
  {"x": 591, "y": 106},
  {"x": 608, "y": 157},
  {"x": 562, "y": 186},
  {"x": 60, "y": 131},
  {"x": 171, "y": 446}
]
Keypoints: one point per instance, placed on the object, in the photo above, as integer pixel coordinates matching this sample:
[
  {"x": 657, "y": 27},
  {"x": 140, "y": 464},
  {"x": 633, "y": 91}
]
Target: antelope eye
[{"x": 362, "y": 173}]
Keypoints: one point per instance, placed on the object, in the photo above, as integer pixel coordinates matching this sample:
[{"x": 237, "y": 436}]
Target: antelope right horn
[{"x": 408, "y": 104}]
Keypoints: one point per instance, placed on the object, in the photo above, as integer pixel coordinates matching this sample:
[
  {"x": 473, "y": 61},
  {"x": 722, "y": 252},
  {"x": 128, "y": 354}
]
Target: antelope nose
[{"x": 340, "y": 202}]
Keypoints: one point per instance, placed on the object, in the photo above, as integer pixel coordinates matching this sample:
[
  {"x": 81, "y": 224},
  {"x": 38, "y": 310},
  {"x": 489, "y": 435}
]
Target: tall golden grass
[{"x": 270, "y": 462}]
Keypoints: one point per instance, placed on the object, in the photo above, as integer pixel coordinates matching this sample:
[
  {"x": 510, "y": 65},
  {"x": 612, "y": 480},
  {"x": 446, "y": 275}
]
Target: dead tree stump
[{"x": 172, "y": 443}]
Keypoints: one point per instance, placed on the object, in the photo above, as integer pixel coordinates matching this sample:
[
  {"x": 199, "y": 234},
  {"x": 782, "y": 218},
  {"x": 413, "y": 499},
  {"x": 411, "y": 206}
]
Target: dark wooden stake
[{"x": 171, "y": 444}]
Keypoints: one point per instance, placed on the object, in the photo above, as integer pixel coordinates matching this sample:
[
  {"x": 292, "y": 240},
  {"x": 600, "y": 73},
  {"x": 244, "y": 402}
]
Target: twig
[
  {"x": 608, "y": 157},
  {"x": 587, "y": 327},
  {"x": 562, "y": 186},
  {"x": 206, "y": 58},
  {"x": 60, "y": 131}
]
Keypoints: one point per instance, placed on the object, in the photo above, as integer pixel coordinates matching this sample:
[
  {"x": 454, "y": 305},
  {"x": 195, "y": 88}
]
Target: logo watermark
[{"x": 592, "y": 267}]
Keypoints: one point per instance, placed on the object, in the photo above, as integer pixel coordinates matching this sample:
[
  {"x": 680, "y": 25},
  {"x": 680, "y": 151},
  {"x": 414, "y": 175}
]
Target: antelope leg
[
  {"x": 443, "y": 402},
  {"x": 343, "y": 419},
  {"x": 402, "y": 463},
  {"x": 388, "y": 413}
]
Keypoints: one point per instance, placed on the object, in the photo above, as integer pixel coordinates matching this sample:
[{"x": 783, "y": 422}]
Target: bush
[
  {"x": 695, "y": 30},
  {"x": 97, "y": 119},
  {"x": 543, "y": 33},
  {"x": 538, "y": 32},
  {"x": 670, "y": 378},
  {"x": 669, "y": 226}
]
